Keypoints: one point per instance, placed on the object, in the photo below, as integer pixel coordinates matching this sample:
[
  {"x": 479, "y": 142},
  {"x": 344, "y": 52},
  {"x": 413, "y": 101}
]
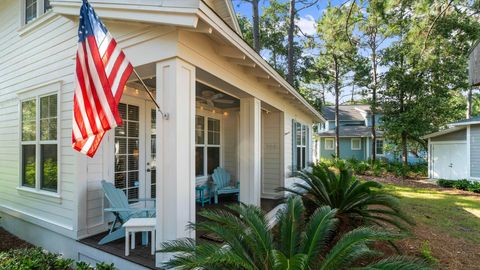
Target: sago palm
[
  {"x": 249, "y": 242},
  {"x": 355, "y": 200}
]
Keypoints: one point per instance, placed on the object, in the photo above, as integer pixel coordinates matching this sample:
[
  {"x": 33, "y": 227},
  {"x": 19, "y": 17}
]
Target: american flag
[{"x": 101, "y": 73}]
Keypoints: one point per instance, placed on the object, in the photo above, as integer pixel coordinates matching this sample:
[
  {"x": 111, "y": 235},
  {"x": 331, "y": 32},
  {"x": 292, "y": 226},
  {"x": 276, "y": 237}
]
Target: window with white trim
[
  {"x": 39, "y": 144},
  {"x": 356, "y": 144},
  {"x": 379, "y": 147},
  {"x": 329, "y": 144},
  {"x": 300, "y": 146},
  {"x": 33, "y": 9},
  {"x": 207, "y": 145}
]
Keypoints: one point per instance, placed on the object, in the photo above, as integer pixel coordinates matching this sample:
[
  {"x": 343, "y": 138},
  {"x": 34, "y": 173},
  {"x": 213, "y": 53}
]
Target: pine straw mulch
[
  {"x": 9, "y": 241},
  {"x": 452, "y": 252}
]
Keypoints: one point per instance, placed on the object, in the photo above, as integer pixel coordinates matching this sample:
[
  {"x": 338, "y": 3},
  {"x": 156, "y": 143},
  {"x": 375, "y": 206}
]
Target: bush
[
  {"x": 37, "y": 258},
  {"x": 33, "y": 258},
  {"x": 463, "y": 184},
  {"x": 427, "y": 253},
  {"x": 446, "y": 183}
]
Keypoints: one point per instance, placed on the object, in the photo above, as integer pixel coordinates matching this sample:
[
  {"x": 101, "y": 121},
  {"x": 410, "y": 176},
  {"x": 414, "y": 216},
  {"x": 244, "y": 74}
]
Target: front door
[{"x": 134, "y": 170}]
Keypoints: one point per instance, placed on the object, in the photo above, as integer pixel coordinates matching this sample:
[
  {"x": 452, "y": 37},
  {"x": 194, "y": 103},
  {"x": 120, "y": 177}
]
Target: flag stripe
[{"x": 101, "y": 74}]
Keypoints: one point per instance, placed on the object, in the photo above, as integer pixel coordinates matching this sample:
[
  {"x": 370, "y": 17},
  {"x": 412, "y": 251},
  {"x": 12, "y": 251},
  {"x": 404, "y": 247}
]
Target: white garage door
[{"x": 449, "y": 161}]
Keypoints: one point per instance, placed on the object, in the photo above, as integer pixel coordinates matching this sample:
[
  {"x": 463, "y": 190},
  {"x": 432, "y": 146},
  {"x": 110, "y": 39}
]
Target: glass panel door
[
  {"x": 151, "y": 136},
  {"x": 129, "y": 164}
]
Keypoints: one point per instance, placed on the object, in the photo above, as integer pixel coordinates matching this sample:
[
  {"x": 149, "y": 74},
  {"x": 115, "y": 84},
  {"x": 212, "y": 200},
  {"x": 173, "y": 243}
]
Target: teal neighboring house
[{"x": 355, "y": 133}]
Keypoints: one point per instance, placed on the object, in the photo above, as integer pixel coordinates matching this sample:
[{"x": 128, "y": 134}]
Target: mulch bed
[{"x": 9, "y": 241}]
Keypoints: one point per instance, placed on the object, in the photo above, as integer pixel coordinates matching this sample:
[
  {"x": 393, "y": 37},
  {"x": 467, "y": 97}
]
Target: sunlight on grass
[{"x": 457, "y": 215}]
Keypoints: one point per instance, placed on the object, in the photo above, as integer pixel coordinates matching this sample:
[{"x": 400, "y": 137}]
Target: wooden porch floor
[{"x": 141, "y": 254}]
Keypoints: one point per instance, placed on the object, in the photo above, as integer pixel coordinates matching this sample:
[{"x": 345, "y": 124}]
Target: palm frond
[{"x": 397, "y": 263}]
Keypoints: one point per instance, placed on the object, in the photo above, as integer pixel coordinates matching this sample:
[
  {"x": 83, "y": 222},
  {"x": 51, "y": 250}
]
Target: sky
[{"x": 306, "y": 22}]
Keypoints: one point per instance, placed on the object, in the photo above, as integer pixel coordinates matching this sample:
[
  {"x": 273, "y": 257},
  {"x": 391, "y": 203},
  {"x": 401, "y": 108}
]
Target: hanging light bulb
[
  {"x": 213, "y": 111},
  {"x": 136, "y": 92},
  {"x": 225, "y": 113}
]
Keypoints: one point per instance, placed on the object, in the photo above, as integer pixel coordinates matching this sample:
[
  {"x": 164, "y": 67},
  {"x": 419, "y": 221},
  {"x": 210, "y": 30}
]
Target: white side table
[{"x": 134, "y": 225}]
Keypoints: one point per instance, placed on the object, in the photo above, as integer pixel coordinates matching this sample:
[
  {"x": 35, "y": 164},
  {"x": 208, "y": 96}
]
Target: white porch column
[
  {"x": 250, "y": 150},
  {"x": 175, "y": 151}
]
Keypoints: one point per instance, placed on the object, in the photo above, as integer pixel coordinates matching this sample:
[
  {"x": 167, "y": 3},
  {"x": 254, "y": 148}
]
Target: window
[
  {"x": 32, "y": 9},
  {"x": 379, "y": 147},
  {"x": 356, "y": 144},
  {"x": 329, "y": 144},
  {"x": 153, "y": 151},
  {"x": 39, "y": 155},
  {"x": 127, "y": 139},
  {"x": 207, "y": 140},
  {"x": 300, "y": 146}
]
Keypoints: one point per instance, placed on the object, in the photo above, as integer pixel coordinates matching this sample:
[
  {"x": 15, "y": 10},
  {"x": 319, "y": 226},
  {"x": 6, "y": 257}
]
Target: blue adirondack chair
[
  {"x": 121, "y": 209},
  {"x": 222, "y": 184}
]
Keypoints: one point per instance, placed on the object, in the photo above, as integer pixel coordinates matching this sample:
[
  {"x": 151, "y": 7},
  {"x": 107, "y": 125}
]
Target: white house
[{"x": 227, "y": 107}]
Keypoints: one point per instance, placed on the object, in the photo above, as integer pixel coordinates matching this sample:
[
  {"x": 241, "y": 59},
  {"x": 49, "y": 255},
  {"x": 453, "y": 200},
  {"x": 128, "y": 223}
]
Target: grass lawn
[
  {"x": 447, "y": 222},
  {"x": 452, "y": 212}
]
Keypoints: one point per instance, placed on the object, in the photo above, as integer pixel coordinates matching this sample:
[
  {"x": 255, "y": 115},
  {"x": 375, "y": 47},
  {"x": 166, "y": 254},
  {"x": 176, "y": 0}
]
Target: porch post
[
  {"x": 250, "y": 150},
  {"x": 175, "y": 151}
]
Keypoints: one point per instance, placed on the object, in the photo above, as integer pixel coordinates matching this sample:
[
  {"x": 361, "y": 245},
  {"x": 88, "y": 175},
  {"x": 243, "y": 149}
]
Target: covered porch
[{"x": 221, "y": 106}]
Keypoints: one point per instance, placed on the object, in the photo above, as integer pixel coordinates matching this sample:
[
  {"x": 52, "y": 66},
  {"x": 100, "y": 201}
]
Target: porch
[{"x": 141, "y": 254}]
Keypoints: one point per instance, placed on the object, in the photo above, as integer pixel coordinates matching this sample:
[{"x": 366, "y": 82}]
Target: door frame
[
  {"x": 431, "y": 154},
  {"x": 143, "y": 186}
]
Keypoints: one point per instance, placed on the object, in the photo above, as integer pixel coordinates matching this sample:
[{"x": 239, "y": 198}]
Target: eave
[{"x": 184, "y": 17}]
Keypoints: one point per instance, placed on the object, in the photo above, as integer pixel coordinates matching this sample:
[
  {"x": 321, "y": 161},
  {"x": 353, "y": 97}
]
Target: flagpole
[{"x": 164, "y": 115}]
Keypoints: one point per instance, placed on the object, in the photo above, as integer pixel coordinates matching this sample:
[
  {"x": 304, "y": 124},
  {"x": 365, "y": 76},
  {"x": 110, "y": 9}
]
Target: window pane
[
  {"x": 304, "y": 135},
  {"x": 48, "y": 118},
  {"x": 28, "y": 165},
  {"x": 28, "y": 120},
  {"x": 120, "y": 180},
  {"x": 30, "y": 10},
  {"x": 153, "y": 149},
  {"x": 120, "y": 146},
  {"x": 213, "y": 131},
  {"x": 48, "y": 167},
  {"x": 298, "y": 133},
  {"x": 199, "y": 161},
  {"x": 46, "y": 5},
  {"x": 213, "y": 159},
  {"x": 379, "y": 147},
  {"x": 133, "y": 113},
  {"x": 199, "y": 129},
  {"x": 304, "y": 158}
]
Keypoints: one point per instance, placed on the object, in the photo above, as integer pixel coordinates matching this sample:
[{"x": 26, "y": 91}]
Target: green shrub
[
  {"x": 474, "y": 187},
  {"x": 37, "y": 258},
  {"x": 462, "y": 184},
  {"x": 446, "y": 183},
  {"x": 33, "y": 258},
  {"x": 426, "y": 252}
]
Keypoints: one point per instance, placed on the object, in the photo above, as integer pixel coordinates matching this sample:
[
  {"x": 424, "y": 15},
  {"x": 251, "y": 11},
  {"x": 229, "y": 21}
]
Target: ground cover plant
[{"x": 249, "y": 242}]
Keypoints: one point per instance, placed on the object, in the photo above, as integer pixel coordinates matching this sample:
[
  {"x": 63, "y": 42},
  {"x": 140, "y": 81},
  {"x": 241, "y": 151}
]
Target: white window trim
[
  {"x": 359, "y": 144},
  {"x": 42, "y": 18},
  {"x": 205, "y": 145},
  {"x": 383, "y": 144},
  {"x": 35, "y": 93},
  {"x": 302, "y": 145},
  {"x": 329, "y": 140}
]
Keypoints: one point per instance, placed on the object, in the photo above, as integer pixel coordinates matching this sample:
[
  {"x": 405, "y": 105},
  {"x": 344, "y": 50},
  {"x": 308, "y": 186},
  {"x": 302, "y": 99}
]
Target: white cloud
[{"x": 307, "y": 24}]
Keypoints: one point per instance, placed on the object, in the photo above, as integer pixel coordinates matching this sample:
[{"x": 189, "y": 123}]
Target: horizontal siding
[
  {"x": 230, "y": 143},
  {"x": 460, "y": 135},
  {"x": 475, "y": 150},
  {"x": 42, "y": 55}
]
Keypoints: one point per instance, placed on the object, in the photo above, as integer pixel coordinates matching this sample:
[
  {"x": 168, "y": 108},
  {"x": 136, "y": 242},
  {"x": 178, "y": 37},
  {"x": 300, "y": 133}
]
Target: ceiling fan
[{"x": 209, "y": 98}]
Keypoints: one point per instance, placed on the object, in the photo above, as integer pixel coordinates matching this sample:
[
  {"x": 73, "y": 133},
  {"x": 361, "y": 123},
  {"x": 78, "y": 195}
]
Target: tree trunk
[
  {"x": 337, "y": 114},
  {"x": 374, "y": 98},
  {"x": 256, "y": 26},
  {"x": 291, "y": 31},
  {"x": 404, "y": 149},
  {"x": 469, "y": 103}
]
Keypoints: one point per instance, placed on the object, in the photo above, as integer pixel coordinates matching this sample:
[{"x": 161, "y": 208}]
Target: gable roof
[
  {"x": 465, "y": 122},
  {"x": 347, "y": 112},
  {"x": 224, "y": 10},
  {"x": 196, "y": 15},
  {"x": 351, "y": 131}
]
